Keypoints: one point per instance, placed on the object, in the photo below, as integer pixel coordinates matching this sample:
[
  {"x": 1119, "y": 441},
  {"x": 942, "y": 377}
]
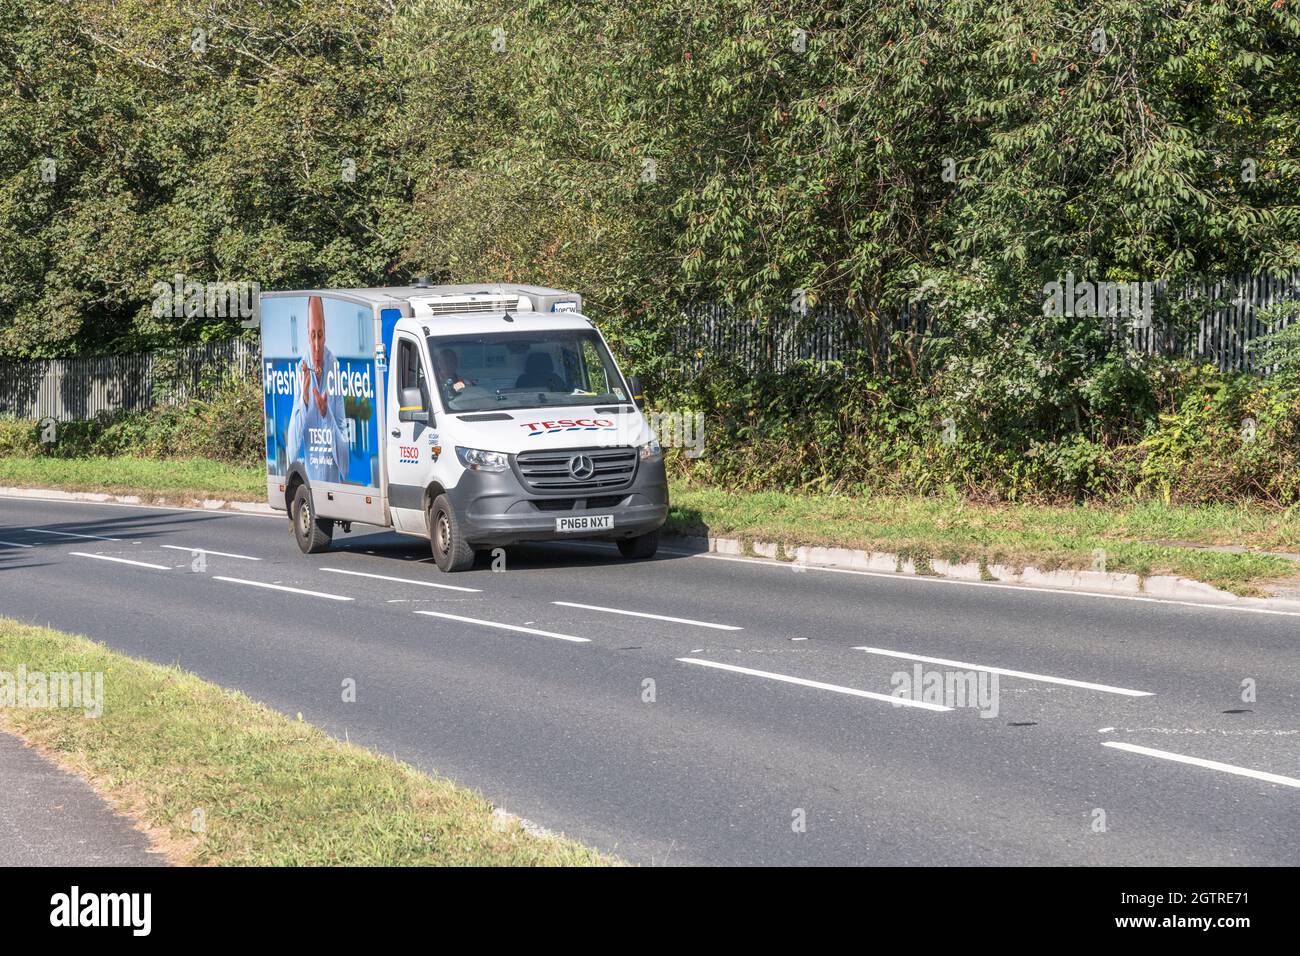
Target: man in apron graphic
[{"x": 318, "y": 434}]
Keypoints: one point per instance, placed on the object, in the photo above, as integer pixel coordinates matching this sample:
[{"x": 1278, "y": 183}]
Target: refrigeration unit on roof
[{"x": 460, "y": 303}]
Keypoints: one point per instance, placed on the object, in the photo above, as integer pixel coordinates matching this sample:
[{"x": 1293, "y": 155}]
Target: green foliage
[
  {"x": 1279, "y": 351},
  {"x": 1224, "y": 438},
  {"x": 654, "y": 156},
  {"x": 18, "y": 438},
  {"x": 1202, "y": 437},
  {"x": 227, "y": 428},
  {"x": 223, "y": 163},
  {"x": 651, "y": 156}
]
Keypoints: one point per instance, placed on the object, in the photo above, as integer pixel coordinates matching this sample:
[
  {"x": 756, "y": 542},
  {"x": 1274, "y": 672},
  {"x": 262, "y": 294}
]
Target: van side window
[{"x": 410, "y": 371}]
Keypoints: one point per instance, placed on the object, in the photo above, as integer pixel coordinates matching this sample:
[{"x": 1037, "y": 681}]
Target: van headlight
[
  {"x": 475, "y": 459},
  {"x": 651, "y": 451}
]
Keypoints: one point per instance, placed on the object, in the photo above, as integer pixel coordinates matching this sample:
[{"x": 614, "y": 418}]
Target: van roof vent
[{"x": 460, "y": 303}]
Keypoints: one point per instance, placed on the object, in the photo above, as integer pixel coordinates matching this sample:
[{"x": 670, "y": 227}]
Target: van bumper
[{"x": 495, "y": 509}]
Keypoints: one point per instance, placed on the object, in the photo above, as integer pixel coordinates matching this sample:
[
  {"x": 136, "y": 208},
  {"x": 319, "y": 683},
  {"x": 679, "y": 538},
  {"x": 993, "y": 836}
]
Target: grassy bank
[
  {"x": 125, "y": 475},
  {"x": 1140, "y": 538},
  {"x": 272, "y": 791}
]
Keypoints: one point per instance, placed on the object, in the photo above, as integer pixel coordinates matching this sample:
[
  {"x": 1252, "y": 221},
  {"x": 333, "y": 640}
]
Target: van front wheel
[
  {"x": 312, "y": 534},
  {"x": 451, "y": 552},
  {"x": 641, "y": 547}
]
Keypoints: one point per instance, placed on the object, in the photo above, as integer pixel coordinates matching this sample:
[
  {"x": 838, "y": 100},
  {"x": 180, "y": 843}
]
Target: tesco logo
[
  {"x": 568, "y": 425},
  {"x": 408, "y": 454}
]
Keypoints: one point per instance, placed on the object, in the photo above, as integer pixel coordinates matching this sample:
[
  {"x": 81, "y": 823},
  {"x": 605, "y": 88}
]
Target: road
[
  {"x": 738, "y": 721},
  {"x": 49, "y": 817}
]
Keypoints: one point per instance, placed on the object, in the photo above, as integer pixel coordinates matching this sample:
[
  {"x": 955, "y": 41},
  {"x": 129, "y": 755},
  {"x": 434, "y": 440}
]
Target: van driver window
[{"x": 410, "y": 370}]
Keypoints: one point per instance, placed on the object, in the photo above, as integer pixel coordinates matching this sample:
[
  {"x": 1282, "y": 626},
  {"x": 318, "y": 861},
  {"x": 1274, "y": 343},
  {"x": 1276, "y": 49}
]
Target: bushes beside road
[
  {"x": 227, "y": 427},
  {"x": 1131, "y": 430},
  {"x": 935, "y": 466}
]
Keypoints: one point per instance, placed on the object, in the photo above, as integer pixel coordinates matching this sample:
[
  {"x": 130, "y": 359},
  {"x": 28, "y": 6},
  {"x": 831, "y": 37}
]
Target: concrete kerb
[
  {"x": 161, "y": 501},
  {"x": 1164, "y": 586}
]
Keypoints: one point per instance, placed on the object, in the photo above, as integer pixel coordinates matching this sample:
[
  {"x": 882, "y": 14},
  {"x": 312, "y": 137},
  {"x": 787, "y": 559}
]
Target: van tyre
[
  {"x": 451, "y": 552},
  {"x": 312, "y": 534},
  {"x": 641, "y": 547}
]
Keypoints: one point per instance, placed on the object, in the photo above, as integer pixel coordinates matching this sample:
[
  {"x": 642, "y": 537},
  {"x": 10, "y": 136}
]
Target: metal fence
[
  {"x": 80, "y": 389},
  {"x": 1223, "y": 320},
  {"x": 1228, "y": 321},
  {"x": 824, "y": 334}
]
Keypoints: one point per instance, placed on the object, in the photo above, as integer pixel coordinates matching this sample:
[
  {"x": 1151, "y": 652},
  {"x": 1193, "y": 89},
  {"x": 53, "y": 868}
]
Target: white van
[{"x": 474, "y": 416}]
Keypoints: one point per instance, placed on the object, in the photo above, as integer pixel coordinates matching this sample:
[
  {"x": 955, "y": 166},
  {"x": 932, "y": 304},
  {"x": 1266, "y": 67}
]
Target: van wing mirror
[
  {"x": 410, "y": 406},
  {"x": 634, "y": 383}
]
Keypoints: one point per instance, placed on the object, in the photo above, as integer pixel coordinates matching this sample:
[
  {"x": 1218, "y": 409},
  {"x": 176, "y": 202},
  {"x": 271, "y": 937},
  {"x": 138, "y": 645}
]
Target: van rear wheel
[
  {"x": 641, "y": 547},
  {"x": 451, "y": 552},
  {"x": 312, "y": 534}
]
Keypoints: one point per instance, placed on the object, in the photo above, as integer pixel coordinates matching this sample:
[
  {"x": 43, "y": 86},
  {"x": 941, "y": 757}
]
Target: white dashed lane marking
[
  {"x": 71, "y": 534},
  {"x": 105, "y": 557},
  {"x": 282, "y": 587},
  {"x": 816, "y": 684},
  {"x": 656, "y": 617},
  {"x": 960, "y": 665},
  {"x": 507, "y": 627},
  {"x": 385, "y": 577},
  {"x": 1207, "y": 764}
]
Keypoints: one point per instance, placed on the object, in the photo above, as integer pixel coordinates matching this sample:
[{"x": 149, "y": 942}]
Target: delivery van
[{"x": 474, "y": 416}]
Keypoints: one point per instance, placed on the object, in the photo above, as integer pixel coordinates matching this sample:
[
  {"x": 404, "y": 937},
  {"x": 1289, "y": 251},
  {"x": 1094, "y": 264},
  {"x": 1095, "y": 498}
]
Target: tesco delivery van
[{"x": 474, "y": 416}]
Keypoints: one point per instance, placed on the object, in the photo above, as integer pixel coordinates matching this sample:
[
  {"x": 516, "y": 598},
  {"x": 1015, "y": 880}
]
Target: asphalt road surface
[
  {"x": 702, "y": 709},
  {"x": 49, "y": 817}
]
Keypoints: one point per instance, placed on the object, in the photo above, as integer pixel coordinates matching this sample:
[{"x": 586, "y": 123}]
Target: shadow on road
[
  {"x": 405, "y": 549},
  {"x": 85, "y": 531},
  {"x": 578, "y": 553}
]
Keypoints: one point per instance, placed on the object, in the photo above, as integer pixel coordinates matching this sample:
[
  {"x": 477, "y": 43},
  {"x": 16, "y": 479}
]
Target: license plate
[{"x": 585, "y": 523}]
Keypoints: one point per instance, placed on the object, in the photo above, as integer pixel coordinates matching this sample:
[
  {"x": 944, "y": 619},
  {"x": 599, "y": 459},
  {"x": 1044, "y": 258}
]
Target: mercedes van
[{"x": 475, "y": 416}]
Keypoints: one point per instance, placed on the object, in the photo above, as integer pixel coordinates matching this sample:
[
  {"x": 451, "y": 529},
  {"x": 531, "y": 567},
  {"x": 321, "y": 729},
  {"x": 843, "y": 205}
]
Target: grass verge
[
  {"x": 179, "y": 478},
  {"x": 272, "y": 791},
  {"x": 1143, "y": 538},
  {"x": 1140, "y": 538}
]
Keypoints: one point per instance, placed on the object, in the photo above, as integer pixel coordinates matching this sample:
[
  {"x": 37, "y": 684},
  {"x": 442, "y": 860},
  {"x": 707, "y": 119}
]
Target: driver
[{"x": 448, "y": 371}]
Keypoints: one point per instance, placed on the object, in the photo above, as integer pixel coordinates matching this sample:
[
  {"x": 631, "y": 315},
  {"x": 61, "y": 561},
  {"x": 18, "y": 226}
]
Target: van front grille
[
  {"x": 569, "y": 504},
  {"x": 555, "y": 504},
  {"x": 554, "y": 471}
]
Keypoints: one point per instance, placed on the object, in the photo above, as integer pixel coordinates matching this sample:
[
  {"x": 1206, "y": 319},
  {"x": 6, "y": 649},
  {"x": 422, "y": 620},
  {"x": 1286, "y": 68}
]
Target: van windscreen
[{"x": 504, "y": 370}]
